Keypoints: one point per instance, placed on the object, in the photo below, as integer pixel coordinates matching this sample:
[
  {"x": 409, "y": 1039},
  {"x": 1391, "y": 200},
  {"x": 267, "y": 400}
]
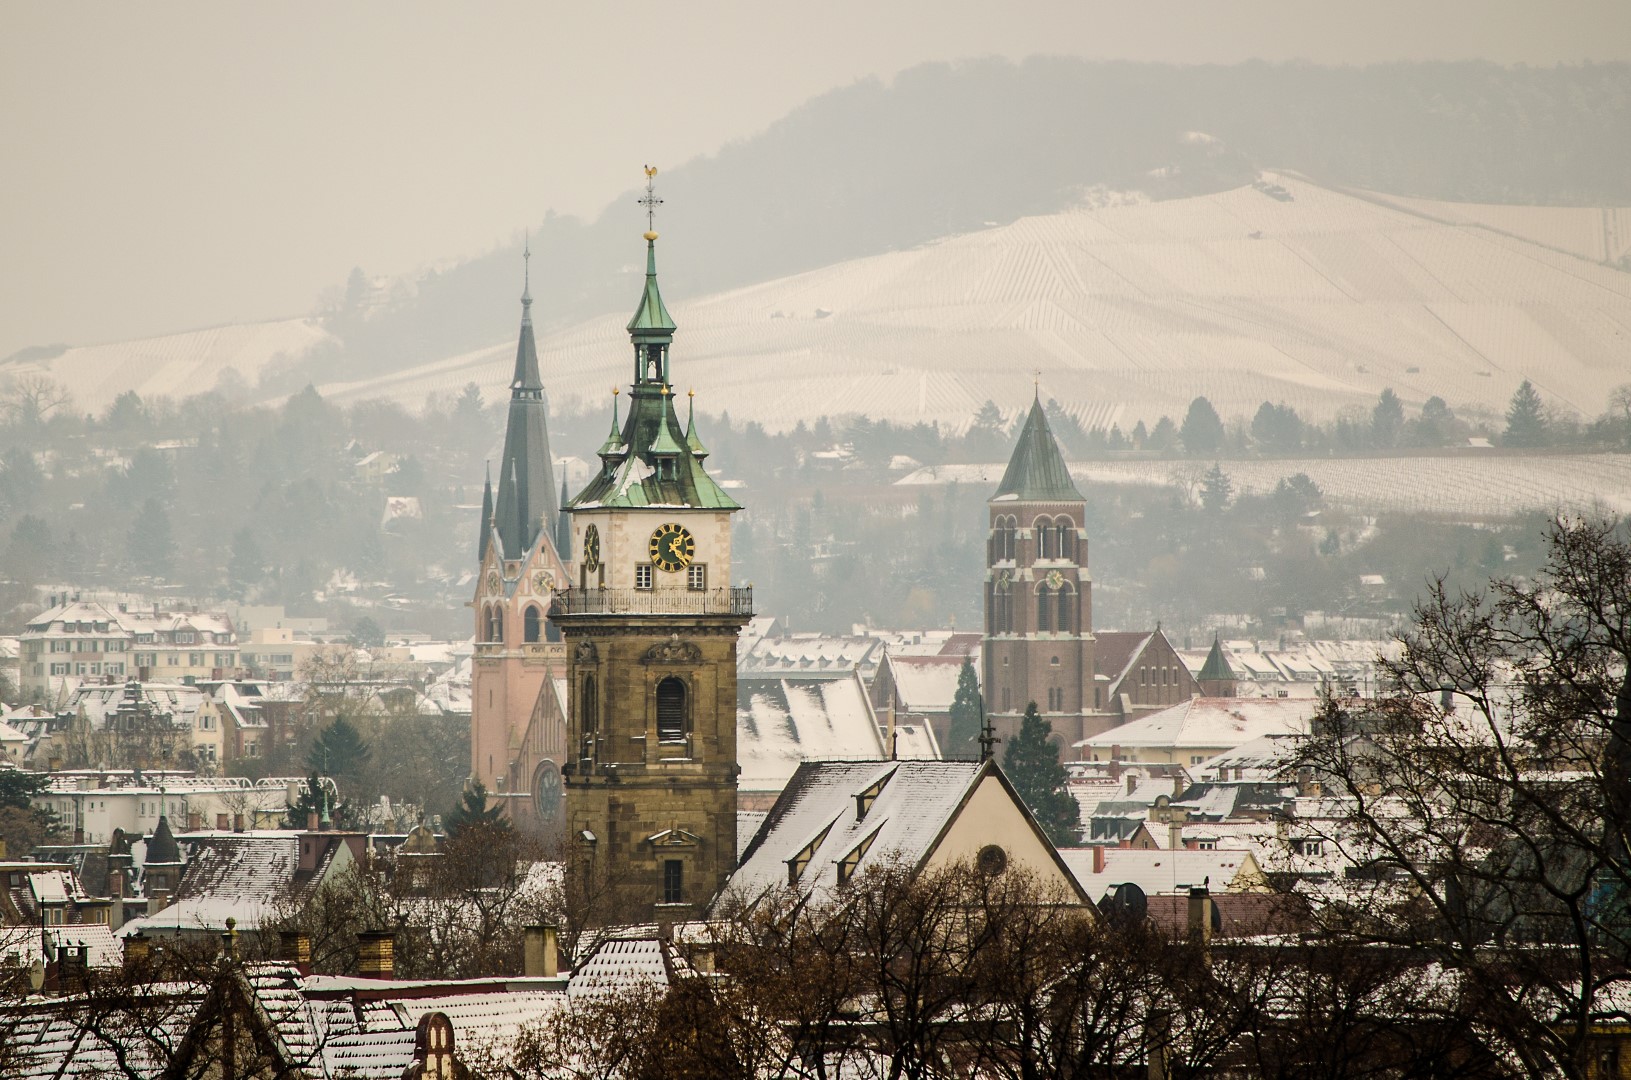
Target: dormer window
[
  {"x": 852, "y": 862},
  {"x": 800, "y": 862},
  {"x": 864, "y": 801}
]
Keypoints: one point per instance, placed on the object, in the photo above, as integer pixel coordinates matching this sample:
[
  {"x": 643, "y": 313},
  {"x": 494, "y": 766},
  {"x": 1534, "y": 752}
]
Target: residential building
[{"x": 74, "y": 641}]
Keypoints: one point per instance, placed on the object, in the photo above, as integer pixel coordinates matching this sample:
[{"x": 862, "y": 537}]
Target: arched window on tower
[
  {"x": 672, "y": 721},
  {"x": 1066, "y": 543},
  {"x": 1044, "y": 609},
  {"x": 494, "y": 629},
  {"x": 1044, "y": 539},
  {"x": 1006, "y": 540},
  {"x": 1067, "y": 604},
  {"x": 532, "y": 625},
  {"x": 589, "y": 716}
]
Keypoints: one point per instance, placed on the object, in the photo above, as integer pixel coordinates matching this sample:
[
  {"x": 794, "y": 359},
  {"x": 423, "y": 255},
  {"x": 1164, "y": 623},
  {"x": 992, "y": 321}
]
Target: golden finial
[
  {"x": 691, "y": 393},
  {"x": 650, "y": 201},
  {"x": 616, "y": 390}
]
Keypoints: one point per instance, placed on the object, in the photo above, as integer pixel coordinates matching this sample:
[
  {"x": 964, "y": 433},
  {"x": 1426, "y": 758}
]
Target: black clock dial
[
  {"x": 591, "y": 549},
  {"x": 672, "y": 548}
]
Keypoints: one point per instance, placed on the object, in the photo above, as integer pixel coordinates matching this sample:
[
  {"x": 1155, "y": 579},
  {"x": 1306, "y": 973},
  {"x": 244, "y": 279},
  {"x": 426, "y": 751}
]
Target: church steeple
[
  {"x": 652, "y": 461},
  {"x": 1037, "y": 471},
  {"x": 526, "y": 492},
  {"x": 485, "y": 533}
]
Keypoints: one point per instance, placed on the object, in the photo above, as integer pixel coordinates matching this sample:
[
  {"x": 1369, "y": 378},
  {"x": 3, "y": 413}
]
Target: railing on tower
[{"x": 658, "y": 601}]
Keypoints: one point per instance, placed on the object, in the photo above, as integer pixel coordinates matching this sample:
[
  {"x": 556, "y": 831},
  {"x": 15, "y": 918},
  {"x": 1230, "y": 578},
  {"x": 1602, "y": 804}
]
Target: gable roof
[
  {"x": 1036, "y": 471},
  {"x": 783, "y": 722},
  {"x": 925, "y": 683},
  {"x": 1211, "y": 722}
]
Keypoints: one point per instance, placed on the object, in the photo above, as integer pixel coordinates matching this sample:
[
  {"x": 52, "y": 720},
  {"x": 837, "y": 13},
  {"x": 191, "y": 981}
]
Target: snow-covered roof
[
  {"x": 1159, "y": 871},
  {"x": 911, "y": 803},
  {"x": 620, "y": 965},
  {"x": 1209, "y": 723},
  {"x": 925, "y": 683},
  {"x": 783, "y": 722}
]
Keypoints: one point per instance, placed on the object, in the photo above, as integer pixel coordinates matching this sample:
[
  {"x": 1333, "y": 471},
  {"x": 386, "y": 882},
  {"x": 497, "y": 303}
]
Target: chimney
[
  {"x": 376, "y": 954},
  {"x": 294, "y": 947},
  {"x": 157, "y": 901},
  {"x": 702, "y": 959},
  {"x": 72, "y": 962},
  {"x": 1098, "y": 859},
  {"x": 1132, "y": 782},
  {"x": 540, "y": 951},
  {"x": 1446, "y": 698},
  {"x": 1200, "y": 917},
  {"x": 138, "y": 951},
  {"x": 311, "y": 821},
  {"x": 1175, "y": 833}
]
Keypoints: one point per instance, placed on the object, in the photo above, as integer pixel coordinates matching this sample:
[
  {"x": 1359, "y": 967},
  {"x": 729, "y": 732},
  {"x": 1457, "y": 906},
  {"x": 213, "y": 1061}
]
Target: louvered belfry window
[{"x": 671, "y": 710}]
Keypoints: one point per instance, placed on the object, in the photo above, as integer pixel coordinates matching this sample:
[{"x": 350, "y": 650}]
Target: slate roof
[
  {"x": 1036, "y": 470},
  {"x": 526, "y": 481},
  {"x": 1216, "y": 666},
  {"x": 1115, "y": 650}
]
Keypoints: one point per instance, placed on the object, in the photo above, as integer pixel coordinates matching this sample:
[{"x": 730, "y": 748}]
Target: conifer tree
[
  {"x": 1202, "y": 432},
  {"x": 963, "y": 733},
  {"x": 1031, "y": 763},
  {"x": 1525, "y": 418},
  {"x": 473, "y": 813},
  {"x": 340, "y": 750}
]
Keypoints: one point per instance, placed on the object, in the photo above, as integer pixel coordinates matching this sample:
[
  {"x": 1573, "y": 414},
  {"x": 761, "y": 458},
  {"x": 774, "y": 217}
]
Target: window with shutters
[{"x": 671, "y": 711}]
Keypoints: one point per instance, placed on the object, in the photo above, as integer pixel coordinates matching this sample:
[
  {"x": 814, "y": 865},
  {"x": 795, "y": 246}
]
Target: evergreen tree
[
  {"x": 1031, "y": 763},
  {"x": 310, "y": 802},
  {"x": 151, "y": 546},
  {"x": 1202, "y": 432},
  {"x": 473, "y": 813},
  {"x": 246, "y": 566},
  {"x": 365, "y": 633},
  {"x": 1216, "y": 489},
  {"x": 1165, "y": 436},
  {"x": 1386, "y": 419},
  {"x": 1525, "y": 418},
  {"x": 1436, "y": 424},
  {"x": 340, "y": 750},
  {"x": 963, "y": 733}
]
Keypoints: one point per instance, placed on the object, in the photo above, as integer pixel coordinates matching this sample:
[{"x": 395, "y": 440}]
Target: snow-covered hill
[
  {"x": 177, "y": 365},
  {"x": 1309, "y": 296}
]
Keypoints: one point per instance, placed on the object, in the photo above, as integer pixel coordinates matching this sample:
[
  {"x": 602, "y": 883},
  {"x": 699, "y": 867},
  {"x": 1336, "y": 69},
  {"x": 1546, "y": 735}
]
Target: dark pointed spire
[
  {"x": 698, "y": 451},
  {"x": 486, "y": 533},
  {"x": 526, "y": 489},
  {"x": 1216, "y": 668},
  {"x": 1037, "y": 471},
  {"x": 563, "y": 524}
]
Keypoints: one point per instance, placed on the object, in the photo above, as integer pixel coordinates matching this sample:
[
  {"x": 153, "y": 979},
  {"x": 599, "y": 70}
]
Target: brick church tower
[
  {"x": 517, "y": 728},
  {"x": 1039, "y": 643},
  {"x": 650, "y": 620}
]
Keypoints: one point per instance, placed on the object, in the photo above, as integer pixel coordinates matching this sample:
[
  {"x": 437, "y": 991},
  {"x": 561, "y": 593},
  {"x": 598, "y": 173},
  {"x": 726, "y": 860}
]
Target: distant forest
[{"x": 945, "y": 148}]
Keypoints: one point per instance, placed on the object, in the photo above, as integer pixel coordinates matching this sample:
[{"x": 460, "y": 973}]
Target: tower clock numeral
[{"x": 672, "y": 548}]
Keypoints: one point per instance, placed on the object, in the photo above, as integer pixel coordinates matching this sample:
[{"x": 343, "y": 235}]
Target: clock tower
[
  {"x": 649, "y": 620},
  {"x": 1039, "y": 640}
]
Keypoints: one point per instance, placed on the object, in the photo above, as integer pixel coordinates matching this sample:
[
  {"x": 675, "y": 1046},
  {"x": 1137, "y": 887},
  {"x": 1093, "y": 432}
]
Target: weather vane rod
[{"x": 650, "y": 200}]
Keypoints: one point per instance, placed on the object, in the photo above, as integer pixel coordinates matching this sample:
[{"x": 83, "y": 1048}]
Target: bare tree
[{"x": 30, "y": 400}]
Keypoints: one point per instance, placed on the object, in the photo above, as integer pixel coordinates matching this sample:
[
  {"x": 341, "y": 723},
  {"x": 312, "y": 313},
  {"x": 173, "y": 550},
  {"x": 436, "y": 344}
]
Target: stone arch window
[
  {"x": 1005, "y": 540},
  {"x": 1045, "y": 548},
  {"x": 1044, "y": 608},
  {"x": 673, "y": 716},
  {"x": 532, "y": 625},
  {"x": 1065, "y": 542},
  {"x": 1067, "y": 604}
]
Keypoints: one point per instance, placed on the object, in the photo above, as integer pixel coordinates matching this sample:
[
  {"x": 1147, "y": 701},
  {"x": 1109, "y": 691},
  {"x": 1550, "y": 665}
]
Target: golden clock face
[
  {"x": 672, "y": 548},
  {"x": 591, "y": 549},
  {"x": 542, "y": 581},
  {"x": 492, "y": 581}
]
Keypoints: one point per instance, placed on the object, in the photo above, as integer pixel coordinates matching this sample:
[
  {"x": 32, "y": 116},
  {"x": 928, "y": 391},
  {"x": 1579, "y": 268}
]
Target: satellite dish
[
  {"x": 36, "y": 974},
  {"x": 1126, "y": 902}
]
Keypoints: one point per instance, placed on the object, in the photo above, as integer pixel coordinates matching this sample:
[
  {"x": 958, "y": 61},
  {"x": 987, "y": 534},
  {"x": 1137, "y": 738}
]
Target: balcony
[{"x": 659, "y": 601}]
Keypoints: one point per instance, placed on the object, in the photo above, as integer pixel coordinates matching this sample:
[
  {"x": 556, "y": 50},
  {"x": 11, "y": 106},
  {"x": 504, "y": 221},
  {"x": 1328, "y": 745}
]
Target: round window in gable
[{"x": 991, "y": 860}]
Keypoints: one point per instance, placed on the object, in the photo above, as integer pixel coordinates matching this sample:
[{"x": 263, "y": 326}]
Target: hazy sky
[{"x": 169, "y": 165}]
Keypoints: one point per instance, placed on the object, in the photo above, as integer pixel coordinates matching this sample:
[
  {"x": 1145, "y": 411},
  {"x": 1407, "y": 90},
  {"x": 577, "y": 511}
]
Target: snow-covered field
[
  {"x": 1461, "y": 486},
  {"x": 178, "y": 365},
  {"x": 1130, "y": 311}
]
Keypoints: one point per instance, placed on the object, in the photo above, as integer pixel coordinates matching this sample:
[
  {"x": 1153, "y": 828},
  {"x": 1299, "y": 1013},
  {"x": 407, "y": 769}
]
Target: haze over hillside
[{"x": 1284, "y": 292}]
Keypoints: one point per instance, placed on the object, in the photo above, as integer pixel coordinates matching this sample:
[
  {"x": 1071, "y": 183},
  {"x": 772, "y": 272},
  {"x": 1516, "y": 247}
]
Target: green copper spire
[
  {"x": 665, "y": 443},
  {"x": 1037, "y": 471},
  {"x": 1217, "y": 666},
  {"x": 698, "y": 451}
]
